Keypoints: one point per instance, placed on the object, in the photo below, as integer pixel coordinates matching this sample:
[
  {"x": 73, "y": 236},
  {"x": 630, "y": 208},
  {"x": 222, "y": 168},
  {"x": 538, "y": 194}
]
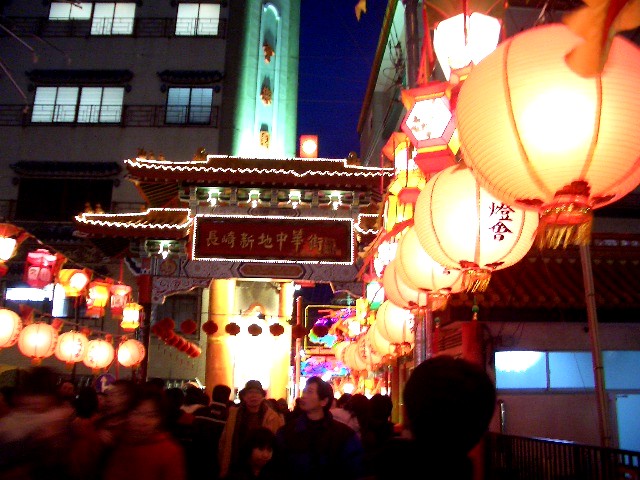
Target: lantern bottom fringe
[
  {"x": 554, "y": 236},
  {"x": 475, "y": 280},
  {"x": 438, "y": 301}
]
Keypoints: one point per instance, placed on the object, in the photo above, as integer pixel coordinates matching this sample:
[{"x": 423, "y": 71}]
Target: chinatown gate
[{"x": 216, "y": 223}]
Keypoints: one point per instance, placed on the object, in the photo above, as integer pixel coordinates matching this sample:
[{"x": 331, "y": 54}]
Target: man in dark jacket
[{"x": 315, "y": 445}]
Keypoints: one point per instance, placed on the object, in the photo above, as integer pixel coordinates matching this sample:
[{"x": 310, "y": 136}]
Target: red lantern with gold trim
[{"x": 40, "y": 268}]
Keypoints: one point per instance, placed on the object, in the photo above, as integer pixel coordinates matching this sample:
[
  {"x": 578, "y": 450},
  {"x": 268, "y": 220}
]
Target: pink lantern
[
  {"x": 10, "y": 327},
  {"x": 131, "y": 353},
  {"x": 461, "y": 226},
  {"x": 71, "y": 347},
  {"x": 540, "y": 136},
  {"x": 100, "y": 354},
  {"x": 38, "y": 341},
  {"x": 40, "y": 267},
  {"x": 120, "y": 295}
]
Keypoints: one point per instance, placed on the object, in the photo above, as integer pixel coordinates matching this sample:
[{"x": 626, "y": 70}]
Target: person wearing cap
[{"x": 251, "y": 413}]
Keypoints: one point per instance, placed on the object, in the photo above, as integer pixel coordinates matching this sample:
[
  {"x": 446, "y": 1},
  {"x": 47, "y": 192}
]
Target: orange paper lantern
[
  {"x": 131, "y": 315},
  {"x": 97, "y": 298},
  {"x": 540, "y": 136},
  {"x": 73, "y": 281},
  {"x": 131, "y": 353},
  {"x": 100, "y": 354}
]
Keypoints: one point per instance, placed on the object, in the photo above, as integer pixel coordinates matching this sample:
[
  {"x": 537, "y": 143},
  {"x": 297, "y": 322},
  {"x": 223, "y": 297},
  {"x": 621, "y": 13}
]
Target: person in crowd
[
  {"x": 254, "y": 460},
  {"x": 35, "y": 435},
  {"x": 314, "y": 444},
  {"x": 195, "y": 399},
  {"x": 252, "y": 412},
  {"x": 353, "y": 412},
  {"x": 379, "y": 429},
  {"x": 6, "y": 400},
  {"x": 220, "y": 400},
  {"x": 67, "y": 392},
  {"x": 86, "y": 448},
  {"x": 449, "y": 403},
  {"x": 147, "y": 451}
]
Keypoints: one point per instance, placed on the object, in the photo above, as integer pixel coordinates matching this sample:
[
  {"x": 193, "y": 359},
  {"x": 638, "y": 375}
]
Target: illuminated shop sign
[{"x": 273, "y": 239}]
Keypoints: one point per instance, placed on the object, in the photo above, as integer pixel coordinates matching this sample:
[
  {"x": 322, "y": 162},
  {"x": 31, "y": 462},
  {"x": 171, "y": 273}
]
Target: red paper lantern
[
  {"x": 254, "y": 329},
  {"x": 40, "y": 267},
  {"x": 232, "y": 328},
  {"x": 188, "y": 326},
  {"x": 210, "y": 327},
  {"x": 299, "y": 331},
  {"x": 276, "y": 329}
]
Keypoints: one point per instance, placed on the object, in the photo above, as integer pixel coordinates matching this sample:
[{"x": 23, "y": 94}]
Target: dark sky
[{"x": 336, "y": 55}]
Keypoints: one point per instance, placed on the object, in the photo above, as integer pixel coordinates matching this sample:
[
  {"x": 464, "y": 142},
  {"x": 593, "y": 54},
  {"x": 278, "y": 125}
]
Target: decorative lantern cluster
[{"x": 164, "y": 329}]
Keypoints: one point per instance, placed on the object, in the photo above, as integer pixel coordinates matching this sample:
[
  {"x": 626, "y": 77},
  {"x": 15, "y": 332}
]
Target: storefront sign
[{"x": 273, "y": 239}]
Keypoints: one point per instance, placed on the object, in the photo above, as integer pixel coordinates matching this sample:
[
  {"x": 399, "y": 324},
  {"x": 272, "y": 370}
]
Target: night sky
[{"x": 336, "y": 56}]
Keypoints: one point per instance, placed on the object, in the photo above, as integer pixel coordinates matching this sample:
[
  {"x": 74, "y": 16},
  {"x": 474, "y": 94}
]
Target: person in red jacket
[{"x": 147, "y": 451}]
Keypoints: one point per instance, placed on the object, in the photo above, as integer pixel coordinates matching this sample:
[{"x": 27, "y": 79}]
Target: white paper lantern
[
  {"x": 38, "y": 341},
  {"x": 71, "y": 347},
  {"x": 394, "y": 323},
  {"x": 100, "y": 354},
  {"x": 10, "y": 327},
  {"x": 131, "y": 353}
]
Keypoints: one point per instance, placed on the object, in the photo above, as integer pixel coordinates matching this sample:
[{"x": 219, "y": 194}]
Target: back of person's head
[
  {"x": 358, "y": 405},
  {"x": 86, "y": 402},
  {"x": 324, "y": 390},
  {"x": 156, "y": 382},
  {"x": 175, "y": 397},
  {"x": 343, "y": 399},
  {"x": 221, "y": 393},
  {"x": 193, "y": 396},
  {"x": 38, "y": 380},
  {"x": 449, "y": 403},
  {"x": 381, "y": 406}
]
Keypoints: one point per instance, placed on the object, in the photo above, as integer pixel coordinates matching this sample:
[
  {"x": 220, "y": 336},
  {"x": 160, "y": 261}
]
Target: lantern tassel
[
  {"x": 553, "y": 236},
  {"x": 476, "y": 279}
]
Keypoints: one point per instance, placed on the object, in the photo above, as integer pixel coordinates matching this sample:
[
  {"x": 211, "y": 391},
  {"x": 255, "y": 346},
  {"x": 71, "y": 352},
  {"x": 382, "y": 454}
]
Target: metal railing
[
  {"x": 138, "y": 27},
  {"x": 511, "y": 457},
  {"x": 130, "y": 116}
]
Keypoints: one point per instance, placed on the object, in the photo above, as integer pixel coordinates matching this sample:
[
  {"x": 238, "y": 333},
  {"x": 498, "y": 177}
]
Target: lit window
[
  {"x": 197, "y": 19},
  {"x": 521, "y": 369},
  {"x": 571, "y": 370},
  {"x": 113, "y": 19},
  {"x": 60, "y": 104},
  {"x": 70, "y": 11},
  {"x": 189, "y": 105}
]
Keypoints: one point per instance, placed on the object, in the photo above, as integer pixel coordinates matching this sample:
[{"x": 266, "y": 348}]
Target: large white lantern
[
  {"x": 37, "y": 341},
  {"x": 462, "y": 226},
  {"x": 400, "y": 293},
  {"x": 395, "y": 324},
  {"x": 10, "y": 327},
  {"x": 100, "y": 354},
  {"x": 540, "y": 136},
  {"x": 71, "y": 347},
  {"x": 131, "y": 353},
  {"x": 379, "y": 344}
]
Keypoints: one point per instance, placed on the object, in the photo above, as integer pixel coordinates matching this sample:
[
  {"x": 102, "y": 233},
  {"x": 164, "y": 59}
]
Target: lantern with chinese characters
[
  {"x": 351, "y": 358},
  {"x": 40, "y": 268},
  {"x": 100, "y": 354},
  {"x": 73, "y": 281},
  {"x": 430, "y": 123},
  {"x": 131, "y": 353},
  {"x": 540, "y": 136},
  {"x": 120, "y": 295},
  {"x": 38, "y": 341},
  {"x": 461, "y": 226},
  {"x": 462, "y": 41},
  {"x": 71, "y": 347},
  {"x": 131, "y": 315},
  {"x": 10, "y": 327},
  {"x": 97, "y": 298}
]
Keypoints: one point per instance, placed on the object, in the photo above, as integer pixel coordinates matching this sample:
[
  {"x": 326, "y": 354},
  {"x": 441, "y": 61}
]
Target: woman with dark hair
[{"x": 254, "y": 461}]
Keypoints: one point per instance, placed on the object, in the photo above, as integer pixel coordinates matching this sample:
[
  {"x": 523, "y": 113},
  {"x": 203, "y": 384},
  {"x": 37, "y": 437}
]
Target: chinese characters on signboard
[{"x": 273, "y": 239}]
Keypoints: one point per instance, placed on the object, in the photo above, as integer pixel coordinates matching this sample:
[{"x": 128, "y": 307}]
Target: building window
[
  {"x": 113, "y": 19},
  {"x": 60, "y": 104},
  {"x": 198, "y": 19},
  {"x": 189, "y": 105},
  {"x": 70, "y": 11}
]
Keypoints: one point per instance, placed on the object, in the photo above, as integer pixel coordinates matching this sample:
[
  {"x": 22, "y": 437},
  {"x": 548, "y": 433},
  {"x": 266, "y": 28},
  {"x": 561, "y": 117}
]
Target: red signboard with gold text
[{"x": 273, "y": 239}]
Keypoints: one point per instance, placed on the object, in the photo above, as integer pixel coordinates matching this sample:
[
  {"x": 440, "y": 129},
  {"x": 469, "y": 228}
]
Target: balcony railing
[
  {"x": 142, "y": 27},
  {"x": 524, "y": 458},
  {"x": 132, "y": 116}
]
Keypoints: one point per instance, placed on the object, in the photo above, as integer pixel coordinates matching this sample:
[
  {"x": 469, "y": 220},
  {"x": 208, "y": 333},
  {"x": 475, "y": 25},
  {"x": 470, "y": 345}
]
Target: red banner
[{"x": 278, "y": 239}]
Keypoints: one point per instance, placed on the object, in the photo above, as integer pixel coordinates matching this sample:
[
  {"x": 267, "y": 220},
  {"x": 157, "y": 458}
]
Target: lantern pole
[{"x": 596, "y": 353}]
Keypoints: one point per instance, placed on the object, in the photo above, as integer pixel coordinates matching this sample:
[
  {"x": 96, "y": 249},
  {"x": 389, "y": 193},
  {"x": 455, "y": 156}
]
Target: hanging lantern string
[{"x": 48, "y": 318}]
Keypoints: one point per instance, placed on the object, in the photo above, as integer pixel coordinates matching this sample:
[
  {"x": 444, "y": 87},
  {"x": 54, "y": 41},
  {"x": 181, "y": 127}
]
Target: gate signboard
[{"x": 273, "y": 239}]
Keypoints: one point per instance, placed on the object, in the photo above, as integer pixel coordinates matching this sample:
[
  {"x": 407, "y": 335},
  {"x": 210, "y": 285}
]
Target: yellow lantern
[
  {"x": 395, "y": 324},
  {"x": 73, "y": 281},
  {"x": 352, "y": 359},
  {"x": 338, "y": 350},
  {"x": 131, "y": 315},
  {"x": 120, "y": 294},
  {"x": 367, "y": 353},
  {"x": 100, "y": 354},
  {"x": 10, "y": 327},
  {"x": 400, "y": 293},
  {"x": 71, "y": 347},
  {"x": 379, "y": 344},
  {"x": 97, "y": 298},
  {"x": 400, "y": 151},
  {"x": 461, "y": 226},
  {"x": 540, "y": 136},
  {"x": 37, "y": 341},
  {"x": 131, "y": 353}
]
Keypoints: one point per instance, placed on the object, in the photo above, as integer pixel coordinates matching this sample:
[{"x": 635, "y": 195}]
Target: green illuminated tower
[{"x": 261, "y": 79}]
